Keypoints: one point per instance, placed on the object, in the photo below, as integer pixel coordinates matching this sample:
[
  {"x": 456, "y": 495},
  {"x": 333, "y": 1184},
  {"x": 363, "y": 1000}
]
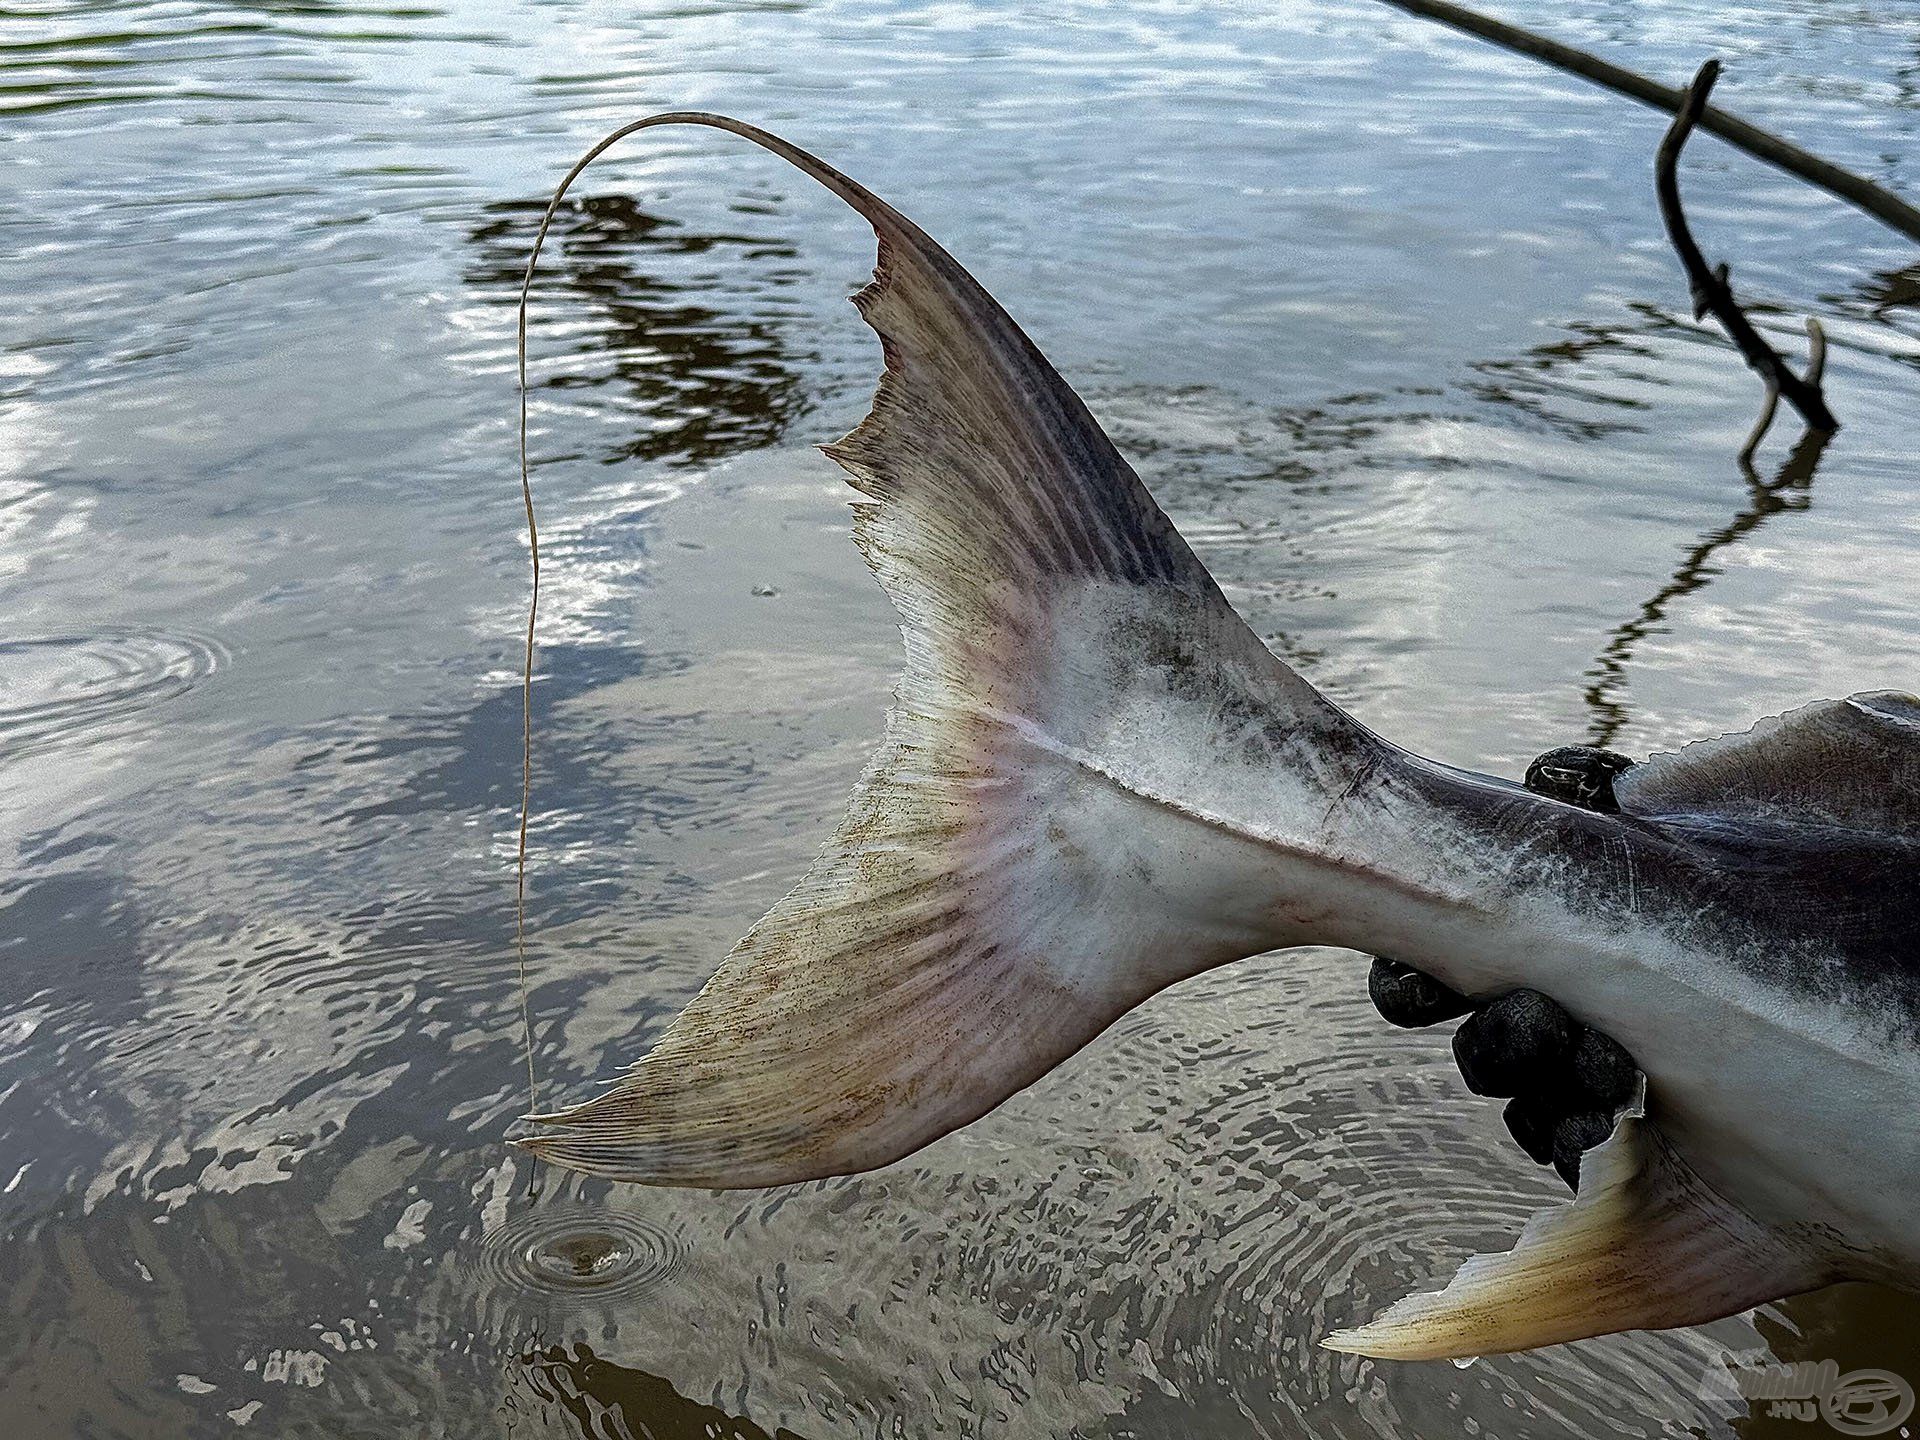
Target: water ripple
[
  {"x": 63, "y": 690},
  {"x": 1384, "y": 317},
  {"x": 553, "y": 1268}
]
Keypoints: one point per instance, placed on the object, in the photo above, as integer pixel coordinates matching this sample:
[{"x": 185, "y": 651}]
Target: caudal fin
[
  {"x": 1646, "y": 1246},
  {"x": 1008, "y": 878}
]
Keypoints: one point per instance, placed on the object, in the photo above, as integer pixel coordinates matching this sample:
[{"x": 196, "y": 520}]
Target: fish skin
[
  {"x": 1752, "y": 966},
  {"x": 1097, "y": 781},
  {"x": 1763, "y": 976}
]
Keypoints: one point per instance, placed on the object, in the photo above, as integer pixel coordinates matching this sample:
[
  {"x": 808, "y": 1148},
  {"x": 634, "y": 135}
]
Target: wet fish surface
[
  {"x": 1383, "y": 318},
  {"x": 1097, "y": 781}
]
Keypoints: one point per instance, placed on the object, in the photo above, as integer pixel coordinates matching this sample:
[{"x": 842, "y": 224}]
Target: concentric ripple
[
  {"x": 557, "y": 1263},
  {"x": 57, "y": 690}
]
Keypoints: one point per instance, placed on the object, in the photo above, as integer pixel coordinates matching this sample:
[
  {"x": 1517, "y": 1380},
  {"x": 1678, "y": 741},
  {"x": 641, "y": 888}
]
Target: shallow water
[{"x": 1385, "y": 319}]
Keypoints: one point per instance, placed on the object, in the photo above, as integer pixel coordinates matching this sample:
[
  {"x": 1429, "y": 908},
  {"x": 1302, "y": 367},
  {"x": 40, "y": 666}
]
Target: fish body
[{"x": 1096, "y": 781}]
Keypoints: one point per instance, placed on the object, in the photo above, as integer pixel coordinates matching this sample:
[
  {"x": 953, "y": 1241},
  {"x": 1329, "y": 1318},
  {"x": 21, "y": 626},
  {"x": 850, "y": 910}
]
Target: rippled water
[{"x": 1385, "y": 319}]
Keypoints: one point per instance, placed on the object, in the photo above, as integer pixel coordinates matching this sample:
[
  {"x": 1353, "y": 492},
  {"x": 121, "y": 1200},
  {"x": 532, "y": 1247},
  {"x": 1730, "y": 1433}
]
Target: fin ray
[
  {"x": 1646, "y": 1245},
  {"x": 980, "y": 914}
]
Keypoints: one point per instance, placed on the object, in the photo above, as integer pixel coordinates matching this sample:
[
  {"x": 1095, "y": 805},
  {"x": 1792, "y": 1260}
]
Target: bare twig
[
  {"x": 1876, "y": 200},
  {"x": 1713, "y": 296},
  {"x": 1763, "y": 422},
  {"x": 1816, "y": 371}
]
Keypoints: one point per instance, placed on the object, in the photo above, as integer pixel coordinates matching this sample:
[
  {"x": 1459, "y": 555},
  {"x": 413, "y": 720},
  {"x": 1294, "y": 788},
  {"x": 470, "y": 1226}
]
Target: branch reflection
[
  {"x": 694, "y": 379},
  {"x": 1790, "y": 489}
]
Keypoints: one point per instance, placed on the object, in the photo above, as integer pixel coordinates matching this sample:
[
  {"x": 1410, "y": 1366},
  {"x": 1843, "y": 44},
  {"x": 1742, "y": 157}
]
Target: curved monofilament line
[
  {"x": 533, "y": 555},
  {"x": 970, "y": 923}
]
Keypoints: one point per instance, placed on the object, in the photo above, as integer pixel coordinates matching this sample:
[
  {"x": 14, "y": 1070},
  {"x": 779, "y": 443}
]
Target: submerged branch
[
  {"x": 1713, "y": 296},
  {"x": 1876, "y": 200}
]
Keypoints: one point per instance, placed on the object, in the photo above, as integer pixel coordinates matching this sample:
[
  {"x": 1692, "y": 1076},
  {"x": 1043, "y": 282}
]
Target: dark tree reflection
[
  {"x": 612, "y": 1402},
  {"x": 1790, "y": 489},
  {"x": 622, "y": 302},
  {"x": 1531, "y": 384},
  {"x": 1892, "y": 290},
  {"x": 1534, "y": 384}
]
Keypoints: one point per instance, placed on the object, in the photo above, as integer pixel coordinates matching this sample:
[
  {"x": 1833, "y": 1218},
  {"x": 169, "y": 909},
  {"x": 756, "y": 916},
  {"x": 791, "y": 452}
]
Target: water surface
[{"x": 1383, "y": 317}]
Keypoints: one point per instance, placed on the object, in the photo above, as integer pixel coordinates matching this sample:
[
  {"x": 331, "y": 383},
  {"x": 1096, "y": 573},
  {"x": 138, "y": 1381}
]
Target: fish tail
[{"x": 1035, "y": 847}]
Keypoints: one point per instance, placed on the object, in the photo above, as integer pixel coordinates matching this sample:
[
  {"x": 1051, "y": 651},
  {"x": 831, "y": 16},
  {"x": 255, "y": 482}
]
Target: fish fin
[
  {"x": 982, "y": 911},
  {"x": 1853, "y": 763},
  {"x": 1646, "y": 1245}
]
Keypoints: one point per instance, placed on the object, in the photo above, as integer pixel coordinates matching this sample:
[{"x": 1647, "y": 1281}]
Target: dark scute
[
  {"x": 1603, "y": 1071},
  {"x": 1574, "y": 1136},
  {"x": 1580, "y": 775},
  {"x": 1506, "y": 1047},
  {"x": 1411, "y": 998},
  {"x": 1532, "y": 1119}
]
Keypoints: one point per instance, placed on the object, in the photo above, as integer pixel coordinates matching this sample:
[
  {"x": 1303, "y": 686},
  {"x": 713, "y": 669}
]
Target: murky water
[{"x": 1383, "y": 317}]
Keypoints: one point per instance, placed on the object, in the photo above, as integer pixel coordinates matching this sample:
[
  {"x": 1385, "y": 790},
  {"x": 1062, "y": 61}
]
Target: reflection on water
[
  {"x": 1545, "y": 383},
  {"x": 1895, "y": 289},
  {"x": 696, "y": 383},
  {"x": 1386, "y": 320},
  {"x": 601, "y": 1398},
  {"x": 1790, "y": 489}
]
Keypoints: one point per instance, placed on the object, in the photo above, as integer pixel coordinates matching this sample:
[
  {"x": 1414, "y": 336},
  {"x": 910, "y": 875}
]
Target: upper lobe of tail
[{"x": 1008, "y": 877}]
